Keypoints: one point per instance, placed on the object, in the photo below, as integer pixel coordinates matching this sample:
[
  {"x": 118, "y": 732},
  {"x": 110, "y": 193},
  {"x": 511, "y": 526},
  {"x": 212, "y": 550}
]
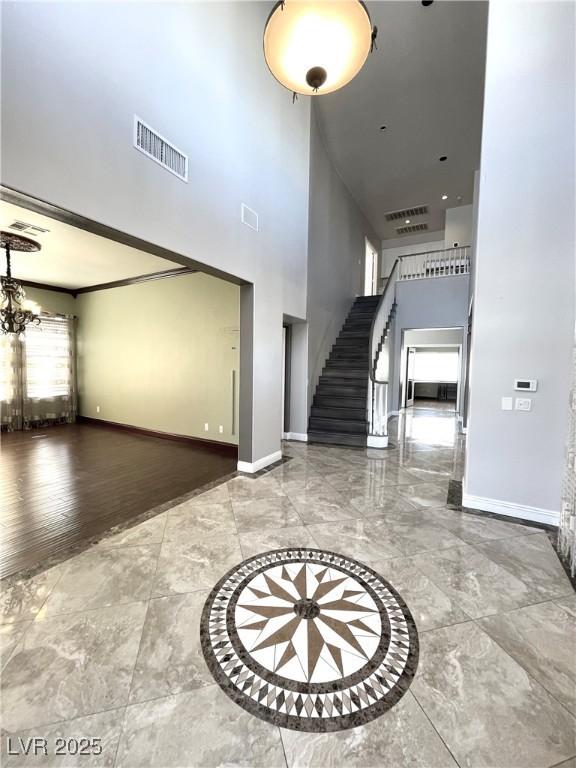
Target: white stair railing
[
  {"x": 441, "y": 263},
  {"x": 377, "y": 403}
]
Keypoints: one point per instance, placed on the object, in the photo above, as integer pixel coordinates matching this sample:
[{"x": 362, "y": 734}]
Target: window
[
  {"x": 436, "y": 365},
  {"x": 47, "y": 358}
]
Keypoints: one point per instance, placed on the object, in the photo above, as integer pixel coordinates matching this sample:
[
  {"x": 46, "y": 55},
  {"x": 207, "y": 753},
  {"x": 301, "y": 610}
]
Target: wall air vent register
[{"x": 159, "y": 149}]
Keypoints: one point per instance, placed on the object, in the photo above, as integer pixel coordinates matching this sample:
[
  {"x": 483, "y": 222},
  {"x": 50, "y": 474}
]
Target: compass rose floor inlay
[{"x": 309, "y": 640}]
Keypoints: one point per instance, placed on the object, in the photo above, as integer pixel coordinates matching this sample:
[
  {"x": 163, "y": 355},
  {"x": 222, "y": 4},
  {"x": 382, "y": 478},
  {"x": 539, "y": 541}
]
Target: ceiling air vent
[
  {"x": 406, "y": 213},
  {"x": 408, "y": 230},
  {"x": 159, "y": 149},
  {"x": 28, "y": 229}
]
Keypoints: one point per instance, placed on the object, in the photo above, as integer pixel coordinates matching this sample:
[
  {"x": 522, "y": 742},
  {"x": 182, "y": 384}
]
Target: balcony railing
[{"x": 442, "y": 263}]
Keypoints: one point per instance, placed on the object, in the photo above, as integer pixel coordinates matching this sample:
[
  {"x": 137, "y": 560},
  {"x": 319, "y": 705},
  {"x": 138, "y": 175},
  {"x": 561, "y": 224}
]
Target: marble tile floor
[{"x": 106, "y": 645}]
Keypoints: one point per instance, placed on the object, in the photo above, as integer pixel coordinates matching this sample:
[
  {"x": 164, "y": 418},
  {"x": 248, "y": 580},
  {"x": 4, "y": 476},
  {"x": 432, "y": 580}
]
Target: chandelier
[
  {"x": 317, "y": 46},
  {"x": 16, "y": 312}
]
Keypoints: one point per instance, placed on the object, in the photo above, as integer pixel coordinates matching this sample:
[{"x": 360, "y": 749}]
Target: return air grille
[
  {"x": 156, "y": 147},
  {"x": 28, "y": 229},
  {"x": 411, "y": 228},
  {"x": 419, "y": 210}
]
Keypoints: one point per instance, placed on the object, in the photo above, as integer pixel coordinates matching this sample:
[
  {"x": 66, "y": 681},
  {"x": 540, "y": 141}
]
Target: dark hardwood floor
[{"x": 64, "y": 485}]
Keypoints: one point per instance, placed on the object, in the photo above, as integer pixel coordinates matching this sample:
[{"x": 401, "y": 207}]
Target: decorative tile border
[{"x": 334, "y": 645}]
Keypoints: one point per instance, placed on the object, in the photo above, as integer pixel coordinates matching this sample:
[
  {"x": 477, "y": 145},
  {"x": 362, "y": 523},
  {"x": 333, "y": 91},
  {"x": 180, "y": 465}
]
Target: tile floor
[{"x": 106, "y": 645}]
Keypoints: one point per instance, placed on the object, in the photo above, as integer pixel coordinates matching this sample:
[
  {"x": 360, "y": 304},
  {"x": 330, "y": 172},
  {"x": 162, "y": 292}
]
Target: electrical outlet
[
  {"x": 97, "y": 409},
  {"x": 221, "y": 429},
  {"x": 206, "y": 427},
  {"x": 523, "y": 404}
]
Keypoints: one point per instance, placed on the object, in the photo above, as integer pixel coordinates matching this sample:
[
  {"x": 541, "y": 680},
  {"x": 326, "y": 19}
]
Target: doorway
[
  {"x": 370, "y": 270},
  {"x": 431, "y": 370},
  {"x": 410, "y": 360}
]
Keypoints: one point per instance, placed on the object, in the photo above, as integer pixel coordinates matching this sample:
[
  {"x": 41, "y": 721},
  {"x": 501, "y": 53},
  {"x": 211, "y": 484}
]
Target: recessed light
[
  {"x": 426, "y": 3},
  {"x": 383, "y": 127},
  {"x": 443, "y": 158},
  {"x": 407, "y": 221},
  {"x": 444, "y": 197}
]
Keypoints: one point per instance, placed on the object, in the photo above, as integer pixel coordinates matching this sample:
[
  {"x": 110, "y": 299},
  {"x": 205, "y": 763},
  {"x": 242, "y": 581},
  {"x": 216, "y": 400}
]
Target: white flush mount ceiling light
[{"x": 317, "y": 46}]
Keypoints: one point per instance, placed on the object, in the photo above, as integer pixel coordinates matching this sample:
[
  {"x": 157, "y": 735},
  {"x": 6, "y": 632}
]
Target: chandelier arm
[{"x": 8, "y": 264}]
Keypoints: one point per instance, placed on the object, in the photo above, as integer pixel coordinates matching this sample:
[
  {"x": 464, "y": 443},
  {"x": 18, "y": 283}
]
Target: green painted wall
[
  {"x": 53, "y": 301},
  {"x": 160, "y": 355}
]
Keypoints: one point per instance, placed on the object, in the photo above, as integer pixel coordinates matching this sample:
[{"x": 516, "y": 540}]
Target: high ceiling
[
  {"x": 425, "y": 84},
  {"x": 71, "y": 257}
]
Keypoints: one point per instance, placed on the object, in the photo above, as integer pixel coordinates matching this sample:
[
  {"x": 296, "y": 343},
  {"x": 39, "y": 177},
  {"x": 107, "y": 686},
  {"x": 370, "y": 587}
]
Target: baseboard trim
[
  {"x": 256, "y": 466},
  {"x": 536, "y": 514},
  {"x": 302, "y": 437},
  {"x": 229, "y": 449},
  {"x": 377, "y": 441}
]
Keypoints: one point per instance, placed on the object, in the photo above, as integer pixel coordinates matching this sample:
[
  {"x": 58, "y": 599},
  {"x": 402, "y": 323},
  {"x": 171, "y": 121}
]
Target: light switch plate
[
  {"x": 506, "y": 403},
  {"x": 523, "y": 404}
]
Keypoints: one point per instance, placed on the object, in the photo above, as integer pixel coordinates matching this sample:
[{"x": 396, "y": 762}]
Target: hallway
[{"x": 109, "y": 644}]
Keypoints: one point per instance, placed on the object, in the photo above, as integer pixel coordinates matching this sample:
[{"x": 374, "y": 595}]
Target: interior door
[{"x": 410, "y": 359}]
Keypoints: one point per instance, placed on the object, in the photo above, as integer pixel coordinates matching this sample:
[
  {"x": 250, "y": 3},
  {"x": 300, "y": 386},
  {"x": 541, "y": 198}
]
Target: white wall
[
  {"x": 459, "y": 223},
  {"x": 74, "y": 75},
  {"x": 336, "y": 252},
  {"x": 394, "y": 248},
  {"x": 524, "y": 290}
]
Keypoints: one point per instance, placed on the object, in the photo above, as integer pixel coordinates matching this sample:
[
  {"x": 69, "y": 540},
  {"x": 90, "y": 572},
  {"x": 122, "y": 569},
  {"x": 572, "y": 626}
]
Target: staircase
[{"x": 338, "y": 413}]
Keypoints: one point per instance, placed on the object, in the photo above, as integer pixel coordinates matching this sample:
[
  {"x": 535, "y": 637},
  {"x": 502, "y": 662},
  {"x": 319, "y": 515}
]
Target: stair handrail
[
  {"x": 437, "y": 250},
  {"x": 379, "y": 316},
  {"x": 377, "y": 400}
]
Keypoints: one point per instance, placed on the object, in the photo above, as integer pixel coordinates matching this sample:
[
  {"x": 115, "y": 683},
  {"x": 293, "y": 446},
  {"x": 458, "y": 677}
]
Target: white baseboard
[
  {"x": 377, "y": 441},
  {"x": 246, "y": 466},
  {"x": 302, "y": 437},
  {"x": 536, "y": 514}
]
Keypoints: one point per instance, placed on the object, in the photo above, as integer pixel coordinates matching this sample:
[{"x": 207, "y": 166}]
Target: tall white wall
[
  {"x": 459, "y": 223},
  {"x": 74, "y": 75},
  {"x": 336, "y": 251},
  {"x": 524, "y": 287}
]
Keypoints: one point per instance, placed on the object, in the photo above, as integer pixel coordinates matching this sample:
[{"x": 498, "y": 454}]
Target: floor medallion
[{"x": 309, "y": 640}]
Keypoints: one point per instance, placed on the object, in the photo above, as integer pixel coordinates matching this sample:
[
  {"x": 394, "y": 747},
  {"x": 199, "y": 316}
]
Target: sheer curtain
[
  {"x": 10, "y": 382},
  {"x": 39, "y": 375}
]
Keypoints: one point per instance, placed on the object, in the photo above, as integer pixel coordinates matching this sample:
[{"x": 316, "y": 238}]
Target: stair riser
[
  {"x": 350, "y": 414},
  {"x": 337, "y": 390},
  {"x": 344, "y": 373},
  {"x": 355, "y": 387},
  {"x": 326, "y": 425},
  {"x": 359, "y": 344},
  {"x": 319, "y": 437},
  {"x": 330, "y": 401},
  {"x": 339, "y": 364}
]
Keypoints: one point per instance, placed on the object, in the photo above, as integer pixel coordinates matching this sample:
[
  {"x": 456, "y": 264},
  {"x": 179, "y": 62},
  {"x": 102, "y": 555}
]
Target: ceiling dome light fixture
[
  {"x": 16, "y": 312},
  {"x": 317, "y": 46}
]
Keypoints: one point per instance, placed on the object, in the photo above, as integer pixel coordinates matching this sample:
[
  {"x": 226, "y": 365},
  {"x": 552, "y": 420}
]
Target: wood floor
[{"x": 66, "y": 484}]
